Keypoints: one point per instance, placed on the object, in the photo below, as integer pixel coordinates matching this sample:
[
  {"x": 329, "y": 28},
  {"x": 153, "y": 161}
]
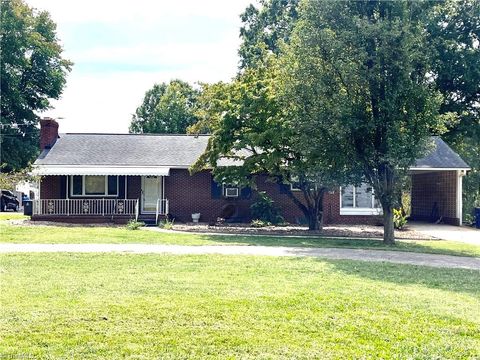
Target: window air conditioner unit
[{"x": 231, "y": 192}]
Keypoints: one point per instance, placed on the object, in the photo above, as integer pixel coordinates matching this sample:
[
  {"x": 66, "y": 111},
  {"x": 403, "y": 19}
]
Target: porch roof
[{"x": 101, "y": 170}]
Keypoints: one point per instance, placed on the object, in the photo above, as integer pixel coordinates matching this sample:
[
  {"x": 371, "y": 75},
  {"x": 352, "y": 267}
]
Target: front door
[{"x": 151, "y": 192}]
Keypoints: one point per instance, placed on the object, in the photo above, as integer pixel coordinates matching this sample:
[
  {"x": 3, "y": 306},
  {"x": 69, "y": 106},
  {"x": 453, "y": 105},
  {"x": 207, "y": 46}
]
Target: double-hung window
[
  {"x": 359, "y": 200},
  {"x": 93, "y": 185}
]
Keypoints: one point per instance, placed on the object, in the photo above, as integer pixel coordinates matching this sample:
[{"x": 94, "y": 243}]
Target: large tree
[
  {"x": 265, "y": 27},
  {"x": 368, "y": 66},
  {"x": 252, "y": 123},
  {"x": 454, "y": 30},
  {"x": 166, "y": 109},
  {"x": 33, "y": 71}
]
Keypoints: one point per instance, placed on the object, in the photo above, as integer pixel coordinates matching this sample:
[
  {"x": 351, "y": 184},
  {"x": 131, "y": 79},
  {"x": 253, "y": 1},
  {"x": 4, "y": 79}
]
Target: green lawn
[
  {"x": 12, "y": 216},
  {"x": 110, "y": 306},
  {"x": 118, "y": 235}
]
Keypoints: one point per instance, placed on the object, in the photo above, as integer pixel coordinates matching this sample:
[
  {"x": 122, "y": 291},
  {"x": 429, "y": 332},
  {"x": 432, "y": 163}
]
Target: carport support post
[{"x": 460, "y": 175}]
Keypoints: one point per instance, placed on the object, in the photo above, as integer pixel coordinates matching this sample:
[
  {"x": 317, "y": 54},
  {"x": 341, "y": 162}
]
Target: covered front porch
[{"x": 101, "y": 194}]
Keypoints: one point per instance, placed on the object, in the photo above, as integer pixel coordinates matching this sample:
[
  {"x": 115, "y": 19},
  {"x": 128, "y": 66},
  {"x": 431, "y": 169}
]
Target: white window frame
[
  {"x": 359, "y": 211},
  {"x": 292, "y": 188},
  {"x": 105, "y": 194},
  {"x": 225, "y": 186}
]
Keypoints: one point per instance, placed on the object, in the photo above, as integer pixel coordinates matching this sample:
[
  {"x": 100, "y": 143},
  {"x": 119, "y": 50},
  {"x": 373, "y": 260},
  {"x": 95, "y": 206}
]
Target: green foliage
[
  {"x": 257, "y": 223},
  {"x": 251, "y": 124},
  {"x": 166, "y": 109},
  {"x": 166, "y": 224},
  {"x": 454, "y": 31},
  {"x": 9, "y": 180},
  {"x": 32, "y": 72},
  {"x": 265, "y": 210},
  {"x": 265, "y": 27},
  {"x": 363, "y": 68},
  {"x": 399, "y": 219},
  {"x": 134, "y": 225}
]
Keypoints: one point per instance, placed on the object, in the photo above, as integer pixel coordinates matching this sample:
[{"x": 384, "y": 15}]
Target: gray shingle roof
[
  {"x": 124, "y": 150},
  {"x": 441, "y": 156},
  {"x": 175, "y": 151}
]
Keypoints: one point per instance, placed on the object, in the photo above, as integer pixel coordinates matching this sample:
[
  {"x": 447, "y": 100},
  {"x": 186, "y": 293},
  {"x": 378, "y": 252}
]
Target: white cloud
[{"x": 109, "y": 79}]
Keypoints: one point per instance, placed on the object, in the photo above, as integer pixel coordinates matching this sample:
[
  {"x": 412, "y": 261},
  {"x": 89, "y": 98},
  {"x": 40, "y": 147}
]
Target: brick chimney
[{"x": 48, "y": 133}]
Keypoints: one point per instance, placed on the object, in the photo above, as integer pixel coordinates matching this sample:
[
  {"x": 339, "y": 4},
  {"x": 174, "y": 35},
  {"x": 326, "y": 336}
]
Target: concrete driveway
[{"x": 448, "y": 232}]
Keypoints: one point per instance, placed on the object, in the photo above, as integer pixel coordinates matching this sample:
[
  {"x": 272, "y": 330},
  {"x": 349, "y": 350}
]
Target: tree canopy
[
  {"x": 365, "y": 67},
  {"x": 265, "y": 27},
  {"x": 454, "y": 31},
  {"x": 33, "y": 71},
  {"x": 166, "y": 109},
  {"x": 255, "y": 124}
]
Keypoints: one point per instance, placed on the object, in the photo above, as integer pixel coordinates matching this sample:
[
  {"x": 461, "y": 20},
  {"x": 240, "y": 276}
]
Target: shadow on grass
[
  {"x": 419, "y": 246},
  {"x": 455, "y": 280}
]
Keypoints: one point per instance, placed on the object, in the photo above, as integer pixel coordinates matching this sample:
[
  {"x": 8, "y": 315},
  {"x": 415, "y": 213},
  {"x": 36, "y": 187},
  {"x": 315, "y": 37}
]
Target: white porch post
[
  {"x": 126, "y": 179},
  {"x": 460, "y": 175}
]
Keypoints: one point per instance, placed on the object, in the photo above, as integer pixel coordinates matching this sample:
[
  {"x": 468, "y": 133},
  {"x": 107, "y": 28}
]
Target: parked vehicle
[{"x": 8, "y": 201}]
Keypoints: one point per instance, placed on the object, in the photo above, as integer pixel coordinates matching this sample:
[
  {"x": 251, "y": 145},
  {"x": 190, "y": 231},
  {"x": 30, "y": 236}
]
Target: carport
[{"x": 436, "y": 194}]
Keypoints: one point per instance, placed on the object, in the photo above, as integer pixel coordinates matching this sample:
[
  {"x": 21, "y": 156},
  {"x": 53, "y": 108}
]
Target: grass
[
  {"x": 11, "y": 215},
  {"x": 110, "y": 306},
  {"x": 120, "y": 235}
]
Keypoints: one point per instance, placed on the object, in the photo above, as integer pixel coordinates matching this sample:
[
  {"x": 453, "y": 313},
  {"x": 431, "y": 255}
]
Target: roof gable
[{"x": 440, "y": 156}]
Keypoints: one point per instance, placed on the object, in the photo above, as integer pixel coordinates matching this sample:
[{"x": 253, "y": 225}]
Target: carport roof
[{"x": 440, "y": 156}]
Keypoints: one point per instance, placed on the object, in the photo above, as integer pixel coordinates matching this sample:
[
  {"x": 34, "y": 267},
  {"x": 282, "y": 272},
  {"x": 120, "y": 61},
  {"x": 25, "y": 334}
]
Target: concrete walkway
[
  {"x": 448, "y": 232},
  {"x": 399, "y": 257}
]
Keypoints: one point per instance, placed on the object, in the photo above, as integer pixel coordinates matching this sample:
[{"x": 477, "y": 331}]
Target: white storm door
[{"x": 151, "y": 192}]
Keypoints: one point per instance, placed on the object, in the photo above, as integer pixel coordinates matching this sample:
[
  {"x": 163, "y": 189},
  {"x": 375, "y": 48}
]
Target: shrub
[
  {"x": 166, "y": 224},
  {"x": 134, "y": 225},
  {"x": 265, "y": 210},
  {"x": 257, "y": 223},
  {"x": 399, "y": 219}
]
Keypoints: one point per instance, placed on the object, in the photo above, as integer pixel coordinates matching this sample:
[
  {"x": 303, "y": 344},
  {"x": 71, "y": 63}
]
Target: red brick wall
[
  {"x": 52, "y": 187},
  {"x": 189, "y": 194},
  {"x": 134, "y": 187},
  {"x": 439, "y": 187},
  {"x": 48, "y": 132}
]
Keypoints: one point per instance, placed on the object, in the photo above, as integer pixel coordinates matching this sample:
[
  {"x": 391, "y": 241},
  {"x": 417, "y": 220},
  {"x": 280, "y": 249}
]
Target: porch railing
[
  {"x": 162, "y": 208},
  {"x": 85, "y": 207}
]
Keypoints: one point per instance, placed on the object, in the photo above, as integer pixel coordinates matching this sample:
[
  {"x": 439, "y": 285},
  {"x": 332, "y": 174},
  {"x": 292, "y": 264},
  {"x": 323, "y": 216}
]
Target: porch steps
[{"x": 149, "y": 220}]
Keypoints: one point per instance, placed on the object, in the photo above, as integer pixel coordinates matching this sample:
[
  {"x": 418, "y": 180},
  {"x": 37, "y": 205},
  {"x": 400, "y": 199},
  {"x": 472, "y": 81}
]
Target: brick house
[{"x": 116, "y": 177}]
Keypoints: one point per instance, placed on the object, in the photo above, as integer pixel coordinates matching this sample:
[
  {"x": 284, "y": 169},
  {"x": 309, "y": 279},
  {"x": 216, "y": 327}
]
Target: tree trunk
[
  {"x": 388, "y": 228},
  {"x": 315, "y": 219},
  {"x": 313, "y": 223}
]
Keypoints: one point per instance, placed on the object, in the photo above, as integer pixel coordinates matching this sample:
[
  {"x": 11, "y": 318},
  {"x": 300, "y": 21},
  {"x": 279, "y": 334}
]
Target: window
[
  {"x": 231, "y": 190},
  {"x": 358, "y": 200},
  {"x": 93, "y": 185}
]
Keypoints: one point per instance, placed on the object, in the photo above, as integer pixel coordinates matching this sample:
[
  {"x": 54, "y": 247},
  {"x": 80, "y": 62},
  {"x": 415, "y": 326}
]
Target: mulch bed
[{"x": 354, "y": 231}]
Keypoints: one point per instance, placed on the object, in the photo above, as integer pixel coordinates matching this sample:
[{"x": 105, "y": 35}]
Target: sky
[{"x": 120, "y": 49}]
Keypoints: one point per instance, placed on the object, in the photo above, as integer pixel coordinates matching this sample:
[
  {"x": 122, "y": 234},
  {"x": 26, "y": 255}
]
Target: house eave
[{"x": 52, "y": 170}]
